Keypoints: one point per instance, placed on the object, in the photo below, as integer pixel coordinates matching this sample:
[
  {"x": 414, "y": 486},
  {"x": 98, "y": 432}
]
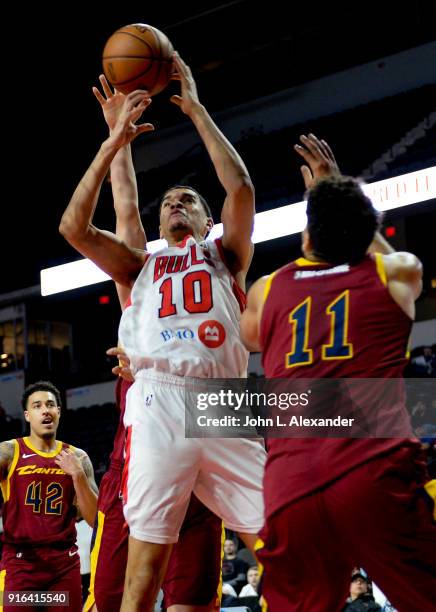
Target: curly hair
[
  {"x": 41, "y": 385},
  {"x": 341, "y": 220}
]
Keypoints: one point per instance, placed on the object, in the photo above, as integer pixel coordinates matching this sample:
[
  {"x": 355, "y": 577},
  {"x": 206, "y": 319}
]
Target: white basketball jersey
[{"x": 184, "y": 314}]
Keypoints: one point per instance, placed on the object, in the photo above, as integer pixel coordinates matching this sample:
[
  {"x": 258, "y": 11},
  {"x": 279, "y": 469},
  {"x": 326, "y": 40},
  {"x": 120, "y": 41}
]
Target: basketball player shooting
[{"x": 195, "y": 285}]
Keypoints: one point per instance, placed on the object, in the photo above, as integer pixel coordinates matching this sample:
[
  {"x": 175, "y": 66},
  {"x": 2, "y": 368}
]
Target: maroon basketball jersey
[
  {"x": 117, "y": 455},
  {"x": 325, "y": 321},
  {"x": 38, "y": 498}
]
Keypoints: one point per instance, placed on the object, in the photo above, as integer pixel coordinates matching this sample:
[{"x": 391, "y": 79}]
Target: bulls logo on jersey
[{"x": 212, "y": 333}]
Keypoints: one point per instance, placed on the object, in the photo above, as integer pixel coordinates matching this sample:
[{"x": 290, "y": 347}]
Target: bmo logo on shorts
[
  {"x": 180, "y": 334},
  {"x": 212, "y": 333}
]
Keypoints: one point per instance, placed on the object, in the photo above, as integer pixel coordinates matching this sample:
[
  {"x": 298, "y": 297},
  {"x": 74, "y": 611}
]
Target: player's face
[
  {"x": 42, "y": 412},
  {"x": 358, "y": 586},
  {"x": 182, "y": 213}
]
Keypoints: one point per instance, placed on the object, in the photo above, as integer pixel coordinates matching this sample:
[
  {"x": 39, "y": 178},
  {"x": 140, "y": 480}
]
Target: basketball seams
[
  {"x": 150, "y": 48},
  {"x": 138, "y": 76}
]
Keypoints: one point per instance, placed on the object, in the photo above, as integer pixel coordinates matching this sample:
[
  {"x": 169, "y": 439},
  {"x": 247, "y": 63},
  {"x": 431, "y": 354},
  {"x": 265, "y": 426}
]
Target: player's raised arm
[
  {"x": 129, "y": 227},
  {"x": 110, "y": 253},
  {"x": 238, "y": 211},
  {"x": 78, "y": 465},
  {"x": 6, "y": 456}
]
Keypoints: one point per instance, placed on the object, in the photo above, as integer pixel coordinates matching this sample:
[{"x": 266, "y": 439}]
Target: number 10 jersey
[{"x": 184, "y": 314}]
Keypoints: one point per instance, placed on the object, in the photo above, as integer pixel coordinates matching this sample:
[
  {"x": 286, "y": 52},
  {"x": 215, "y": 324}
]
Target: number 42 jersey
[
  {"x": 39, "y": 498},
  {"x": 184, "y": 314}
]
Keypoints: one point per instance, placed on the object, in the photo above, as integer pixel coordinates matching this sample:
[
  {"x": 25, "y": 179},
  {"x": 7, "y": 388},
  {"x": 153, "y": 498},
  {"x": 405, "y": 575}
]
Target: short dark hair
[
  {"x": 205, "y": 205},
  {"x": 40, "y": 385},
  {"x": 341, "y": 220},
  {"x": 361, "y": 576}
]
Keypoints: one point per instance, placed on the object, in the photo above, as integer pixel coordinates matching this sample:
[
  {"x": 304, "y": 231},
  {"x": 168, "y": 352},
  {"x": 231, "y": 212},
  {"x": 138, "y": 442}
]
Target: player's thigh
[
  {"x": 231, "y": 482},
  {"x": 395, "y": 534},
  {"x": 194, "y": 571},
  {"x": 161, "y": 464},
  {"x": 67, "y": 584},
  {"x": 296, "y": 559}
]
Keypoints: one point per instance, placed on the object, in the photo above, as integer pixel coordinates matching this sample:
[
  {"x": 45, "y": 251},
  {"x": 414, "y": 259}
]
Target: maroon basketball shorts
[
  {"x": 53, "y": 571},
  {"x": 377, "y": 516},
  {"x": 194, "y": 570}
]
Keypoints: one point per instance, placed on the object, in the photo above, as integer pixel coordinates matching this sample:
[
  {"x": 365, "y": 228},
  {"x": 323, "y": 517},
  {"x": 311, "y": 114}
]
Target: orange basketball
[{"x": 138, "y": 56}]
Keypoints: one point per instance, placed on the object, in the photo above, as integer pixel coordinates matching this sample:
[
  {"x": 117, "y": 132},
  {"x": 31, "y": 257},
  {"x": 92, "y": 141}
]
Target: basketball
[{"x": 138, "y": 56}]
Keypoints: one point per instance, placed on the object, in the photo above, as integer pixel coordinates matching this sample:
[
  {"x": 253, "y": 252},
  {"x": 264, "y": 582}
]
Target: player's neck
[
  {"x": 45, "y": 445},
  {"x": 178, "y": 237},
  {"x": 311, "y": 256}
]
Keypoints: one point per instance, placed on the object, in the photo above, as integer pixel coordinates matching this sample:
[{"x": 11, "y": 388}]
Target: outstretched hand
[
  {"x": 125, "y": 129},
  {"x": 319, "y": 157},
  {"x": 189, "y": 96},
  {"x": 111, "y": 102},
  {"x": 123, "y": 367}
]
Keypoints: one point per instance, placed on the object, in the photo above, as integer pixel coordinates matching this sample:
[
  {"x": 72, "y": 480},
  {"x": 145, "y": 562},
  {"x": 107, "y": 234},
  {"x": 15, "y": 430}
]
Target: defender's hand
[
  {"x": 123, "y": 367},
  {"x": 320, "y": 158}
]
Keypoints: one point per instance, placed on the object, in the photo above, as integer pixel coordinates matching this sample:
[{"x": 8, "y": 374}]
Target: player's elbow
[
  {"x": 244, "y": 190},
  {"x": 249, "y": 333},
  {"x": 70, "y": 230},
  {"x": 66, "y": 228}
]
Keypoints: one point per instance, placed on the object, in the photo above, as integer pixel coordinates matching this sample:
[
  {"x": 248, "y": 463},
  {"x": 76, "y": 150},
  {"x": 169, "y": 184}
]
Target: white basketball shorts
[{"x": 163, "y": 468}]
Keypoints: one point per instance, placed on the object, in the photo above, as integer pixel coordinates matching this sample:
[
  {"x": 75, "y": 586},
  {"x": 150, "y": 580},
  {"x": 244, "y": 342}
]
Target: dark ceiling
[{"x": 238, "y": 51}]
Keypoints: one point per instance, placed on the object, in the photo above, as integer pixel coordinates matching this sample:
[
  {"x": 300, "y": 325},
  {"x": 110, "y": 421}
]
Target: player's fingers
[
  {"x": 98, "y": 95},
  {"x": 176, "y": 100},
  {"x": 107, "y": 90},
  {"x": 175, "y": 76},
  {"x": 114, "y": 350},
  {"x": 181, "y": 67},
  {"x": 134, "y": 98},
  {"x": 145, "y": 127},
  {"x": 329, "y": 151},
  {"x": 137, "y": 96},
  {"x": 307, "y": 176},
  {"x": 311, "y": 144},
  {"x": 321, "y": 147},
  {"x": 305, "y": 153}
]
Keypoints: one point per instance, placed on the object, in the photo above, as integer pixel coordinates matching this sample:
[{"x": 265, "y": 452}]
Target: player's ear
[
  {"x": 209, "y": 223},
  {"x": 26, "y": 416}
]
